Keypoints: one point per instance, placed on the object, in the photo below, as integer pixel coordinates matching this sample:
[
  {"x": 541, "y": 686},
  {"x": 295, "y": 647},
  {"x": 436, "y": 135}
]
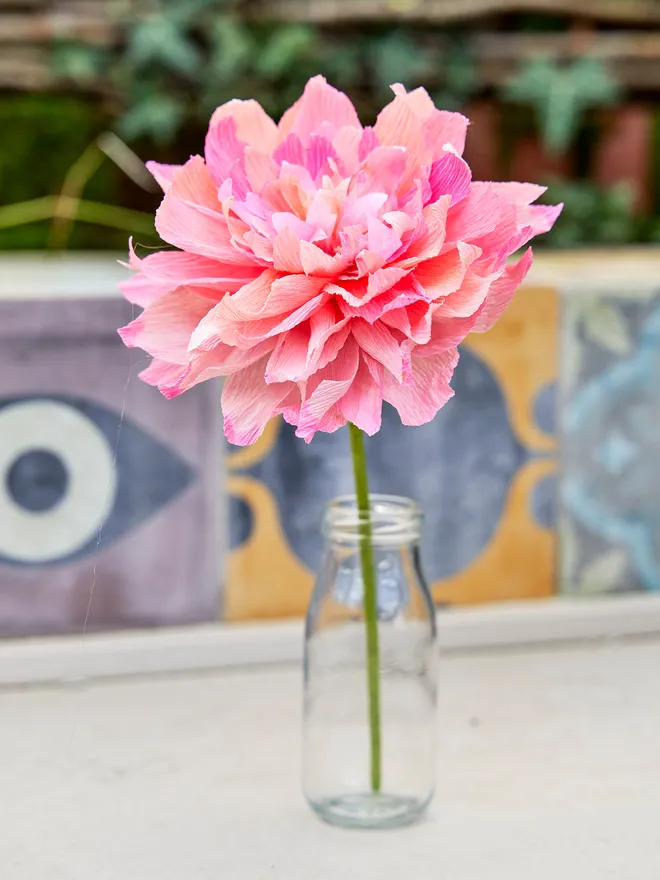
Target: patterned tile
[
  {"x": 610, "y": 488},
  {"x": 108, "y": 493}
]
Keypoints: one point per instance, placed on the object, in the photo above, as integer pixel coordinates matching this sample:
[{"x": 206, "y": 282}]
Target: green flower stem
[{"x": 370, "y": 601}]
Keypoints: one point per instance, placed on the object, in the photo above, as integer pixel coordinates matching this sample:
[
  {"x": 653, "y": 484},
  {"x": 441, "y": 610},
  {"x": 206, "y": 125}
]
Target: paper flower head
[{"x": 324, "y": 267}]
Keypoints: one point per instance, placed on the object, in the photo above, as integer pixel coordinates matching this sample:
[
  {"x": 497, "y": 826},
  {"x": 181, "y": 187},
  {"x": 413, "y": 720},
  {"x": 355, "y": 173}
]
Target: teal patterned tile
[{"x": 609, "y": 524}]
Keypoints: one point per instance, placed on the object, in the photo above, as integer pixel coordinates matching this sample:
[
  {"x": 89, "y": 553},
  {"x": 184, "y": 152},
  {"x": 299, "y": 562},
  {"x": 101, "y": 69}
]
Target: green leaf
[
  {"x": 232, "y": 48},
  {"x": 159, "y": 39},
  {"x": 288, "y": 44},
  {"x": 187, "y": 13},
  {"x": 560, "y": 94},
  {"x": 398, "y": 58},
  {"x": 343, "y": 64},
  {"x": 159, "y": 116},
  {"x": 77, "y": 62},
  {"x": 461, "y": 78},
  {"x": 605, "y": 325}
]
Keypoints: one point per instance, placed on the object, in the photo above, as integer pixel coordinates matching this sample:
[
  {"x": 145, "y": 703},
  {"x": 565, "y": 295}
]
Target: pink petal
[
  {"x": 320, "y": 355},
  {"x": 540, "y": 218},
  {"x": 430, "y": 243},
  {"x": 358, "y": 211},
  {"x": 286, "y": 251},
  {"x": 368, "y": 142},
  {"x": 259, "y": 311},
  {"x": 385, "y": 168},
  {"x": 162, "y": 174},
  {"x": 288, "y": 361},
  {"x": 382, "y": 280},
  {"x": 413, "y": 321},
  {"x": 443, "y": 275},
  {"x": 398, "y": 124},
  {"x": 253, "y": 125},
  {"x": 377, "y": 341},
  {"x": 168, "y": 269},
  {"x": 444, "y": 127},
  {"x": 478, "y": 213},
  {"x": 320, "y": 103},
  {"x": 330, "y": 385},
  {"x": 288, "y": 220},
  {"x": 400, "y": 221},
  {"x": 516, "y": 193},
  {"x": 502, "y": 291},
  {"x": 468, "y": 299},
  {"x": 259, "y": 168},
  {"x": 161, "y": 373},
  {"x": 316, "y": 262},
  {"x": 346, "y": 142},
  {"x": 193, "y": 183},
  {"x": 402, "y": 294},
  {"x": 195, "y": 230},
  {"x": 319, "y": 153},
  {"x": 446, "y": 333},
  {"x": 248, "y": 403},
  {"x": 368, "y": 262},
  {"x": 321, "y": 215},
  {"x": 225, "y": 155},
  {"x": 419, "y": 402},
  {"x": 164, "y": 328},
  {"x": 362, "y": 404},
  {"x": 382, "y": 239},
  {"x": 141, "y": 290}
]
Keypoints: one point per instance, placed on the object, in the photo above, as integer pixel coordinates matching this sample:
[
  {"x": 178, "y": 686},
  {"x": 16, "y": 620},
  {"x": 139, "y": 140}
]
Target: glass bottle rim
[{"x": 394, "y": 519}]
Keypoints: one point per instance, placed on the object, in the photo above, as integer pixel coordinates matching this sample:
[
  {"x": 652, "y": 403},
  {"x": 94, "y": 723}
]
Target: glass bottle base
[{"x": 370, "y": 810}]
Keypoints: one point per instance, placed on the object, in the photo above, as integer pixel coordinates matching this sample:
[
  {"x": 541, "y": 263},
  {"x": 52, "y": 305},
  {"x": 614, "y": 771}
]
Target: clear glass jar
[{"x": 370, "y": 741}]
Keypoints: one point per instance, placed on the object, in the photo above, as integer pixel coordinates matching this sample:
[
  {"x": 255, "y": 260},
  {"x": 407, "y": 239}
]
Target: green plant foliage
[
  {"x": 154, "y": 115},
  {"x": 186, "y": 57},
  {"x": 461, "y": 78},
  {"x": 560, "y": 94},
  {"x": 398, "y": 58},
  {"x": 43, "y": 135},
  {"x": 592, "y": 215}
]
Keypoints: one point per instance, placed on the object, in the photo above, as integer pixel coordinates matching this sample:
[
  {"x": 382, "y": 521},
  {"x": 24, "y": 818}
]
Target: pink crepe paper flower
[{"x": 324, "y": 267}]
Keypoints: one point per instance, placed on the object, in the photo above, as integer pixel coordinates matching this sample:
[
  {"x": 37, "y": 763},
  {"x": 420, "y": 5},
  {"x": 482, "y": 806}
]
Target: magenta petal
[
  {"x": 450, "y": 175},
  {"x": 222, "y": 149},
  {"x": 290, "y": 150}
]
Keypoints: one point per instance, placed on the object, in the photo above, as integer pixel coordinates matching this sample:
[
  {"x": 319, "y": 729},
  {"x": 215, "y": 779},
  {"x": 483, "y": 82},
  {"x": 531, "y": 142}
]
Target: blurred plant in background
[
  {"x": 560, "y": 94},
  {"x": 155, "y": 85}
]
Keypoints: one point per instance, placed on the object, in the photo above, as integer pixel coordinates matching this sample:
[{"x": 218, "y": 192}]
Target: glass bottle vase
[{"x": 370, "y": 676}]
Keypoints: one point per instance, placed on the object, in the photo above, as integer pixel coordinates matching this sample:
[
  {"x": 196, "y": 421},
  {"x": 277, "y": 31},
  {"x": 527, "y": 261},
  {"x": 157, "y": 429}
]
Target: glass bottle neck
[{"x": 393, "y": 522}]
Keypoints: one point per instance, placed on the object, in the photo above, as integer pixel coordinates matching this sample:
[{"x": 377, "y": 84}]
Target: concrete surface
[{"x": 549, "y": 768}]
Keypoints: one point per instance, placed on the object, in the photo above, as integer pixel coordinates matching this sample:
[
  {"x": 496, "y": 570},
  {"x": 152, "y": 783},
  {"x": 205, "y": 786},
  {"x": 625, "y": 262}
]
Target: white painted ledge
[{"x": 61, "y": 659}]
